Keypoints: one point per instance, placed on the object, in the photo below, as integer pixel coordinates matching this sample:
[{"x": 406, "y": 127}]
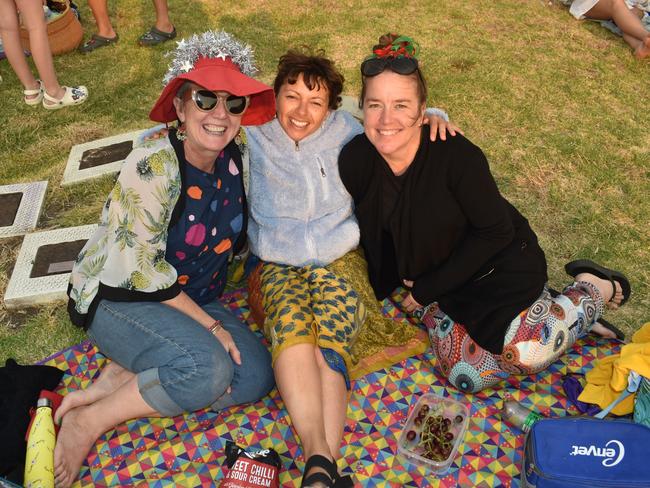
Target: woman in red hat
[{"x": 145, "y": 286}]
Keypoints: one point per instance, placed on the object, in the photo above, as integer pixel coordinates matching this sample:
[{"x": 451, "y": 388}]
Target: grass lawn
[{"x": 559, "y": 107}]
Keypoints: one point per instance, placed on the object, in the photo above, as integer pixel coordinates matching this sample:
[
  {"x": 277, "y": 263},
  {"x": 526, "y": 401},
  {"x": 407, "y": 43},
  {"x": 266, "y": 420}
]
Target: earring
[{"x": 180, "y": 133}]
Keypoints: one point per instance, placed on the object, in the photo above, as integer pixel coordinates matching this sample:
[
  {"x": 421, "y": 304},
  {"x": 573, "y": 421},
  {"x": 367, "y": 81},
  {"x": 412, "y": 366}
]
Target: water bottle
[
  {"x": 518, "y": 416},
  {"x": 39, "y": 462}
]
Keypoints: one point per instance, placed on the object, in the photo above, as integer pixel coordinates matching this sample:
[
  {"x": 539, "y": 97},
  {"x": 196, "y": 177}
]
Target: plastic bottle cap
[{"x": 43, "y": 402}]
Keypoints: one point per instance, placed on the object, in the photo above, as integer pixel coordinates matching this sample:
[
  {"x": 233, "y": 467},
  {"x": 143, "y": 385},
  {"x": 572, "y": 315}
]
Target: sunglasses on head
[
  {"x": 207, "y": 100},
  {"x": 402, "y": 65}
]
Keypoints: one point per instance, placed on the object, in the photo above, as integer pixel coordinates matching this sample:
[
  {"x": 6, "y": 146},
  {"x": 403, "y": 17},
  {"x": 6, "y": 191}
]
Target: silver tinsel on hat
[{"x": 210, "y": 44}]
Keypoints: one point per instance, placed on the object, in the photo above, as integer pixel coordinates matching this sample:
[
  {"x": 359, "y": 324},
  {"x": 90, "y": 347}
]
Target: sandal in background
[
  {"x": 155, "y": 36},
  {"x": 74, "y": 95},
  {"x": 96, "y": 41},
  {"x": 35, "y": 96}
]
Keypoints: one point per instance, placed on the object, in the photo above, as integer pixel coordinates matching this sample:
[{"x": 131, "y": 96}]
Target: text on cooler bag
[{"x": 607, "y": 452}]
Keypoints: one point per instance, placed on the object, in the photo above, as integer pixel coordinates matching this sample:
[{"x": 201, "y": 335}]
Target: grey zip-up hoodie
[{"x": 300, "y": 212}]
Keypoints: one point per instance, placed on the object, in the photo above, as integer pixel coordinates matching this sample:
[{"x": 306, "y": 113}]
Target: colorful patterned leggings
[{"x": 534, "y": 339}]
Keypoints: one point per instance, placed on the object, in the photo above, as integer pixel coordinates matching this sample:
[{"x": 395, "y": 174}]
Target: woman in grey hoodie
[{"x": 301, "y": 220}]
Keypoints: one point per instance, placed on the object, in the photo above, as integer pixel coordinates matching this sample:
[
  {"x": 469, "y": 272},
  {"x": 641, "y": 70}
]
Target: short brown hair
[
  {"x": 316, "y": 70},
  {"x": 387, "y": 40}
]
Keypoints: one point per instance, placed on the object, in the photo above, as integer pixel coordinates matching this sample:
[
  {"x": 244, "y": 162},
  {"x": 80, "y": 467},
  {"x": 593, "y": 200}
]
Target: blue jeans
[{"x": 180, "y": 365}]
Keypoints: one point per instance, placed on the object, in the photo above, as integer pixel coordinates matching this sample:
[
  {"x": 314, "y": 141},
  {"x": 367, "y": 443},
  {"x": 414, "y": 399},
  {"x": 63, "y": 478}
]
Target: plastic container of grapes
[{"x": 412, "y": 451}]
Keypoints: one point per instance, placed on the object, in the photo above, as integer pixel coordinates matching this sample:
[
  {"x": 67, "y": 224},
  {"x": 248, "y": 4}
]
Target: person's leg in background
[
  {"x": 9, "y": 30},
  {"x": 163, "y": 23},
  {"x": 633, "y": 31},
  {"x": 99, "y": 8},
  {"x": 163, "y": 30}
]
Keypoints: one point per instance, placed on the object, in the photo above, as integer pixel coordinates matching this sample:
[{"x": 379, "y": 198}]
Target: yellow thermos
[{"x": 39, "y": 463}]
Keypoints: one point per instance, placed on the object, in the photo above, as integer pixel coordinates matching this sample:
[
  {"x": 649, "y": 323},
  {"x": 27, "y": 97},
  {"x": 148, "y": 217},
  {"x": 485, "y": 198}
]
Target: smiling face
[
  {"x": 392, "y": 115},
  {"x": 208, "y": 133},
  {"x": 301, "y": 111}
]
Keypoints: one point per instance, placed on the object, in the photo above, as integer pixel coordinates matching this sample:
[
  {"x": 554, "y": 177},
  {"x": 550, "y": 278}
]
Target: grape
[
  {"x": 410, "y": 435},
  {"x": 458, "y": 419},
  {"x": 449, "y": 436}
]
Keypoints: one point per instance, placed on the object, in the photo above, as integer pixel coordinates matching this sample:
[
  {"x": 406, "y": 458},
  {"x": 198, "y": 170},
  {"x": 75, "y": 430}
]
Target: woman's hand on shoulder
[
  {"x": 154, "y": 135},
  {"x": 440, "y": 126}
]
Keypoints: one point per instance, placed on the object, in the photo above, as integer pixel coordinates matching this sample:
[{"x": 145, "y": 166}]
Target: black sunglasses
[
  {"x": 207, "y": 100},
  {"x": 401, "y": 65}
]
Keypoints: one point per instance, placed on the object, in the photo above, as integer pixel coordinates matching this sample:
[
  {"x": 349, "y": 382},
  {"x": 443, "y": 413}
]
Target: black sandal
[
  {"x": 318, "y": 461},
  {"x": 574, "y": 268},
  {"x": 344, "y": 482},
  {"x": 96, "y": 41}
]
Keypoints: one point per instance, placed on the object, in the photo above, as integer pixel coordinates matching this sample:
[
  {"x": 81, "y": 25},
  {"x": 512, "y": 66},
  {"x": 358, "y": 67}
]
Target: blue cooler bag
[{"x": 586, "y": 452}]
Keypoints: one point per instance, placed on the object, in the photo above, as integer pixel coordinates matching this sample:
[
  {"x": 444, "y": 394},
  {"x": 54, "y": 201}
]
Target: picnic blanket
[{"x": 188, "y": 450}]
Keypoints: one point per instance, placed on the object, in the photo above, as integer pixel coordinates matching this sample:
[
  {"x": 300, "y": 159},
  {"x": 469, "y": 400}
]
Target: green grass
[{"x": 557, "y": 105}]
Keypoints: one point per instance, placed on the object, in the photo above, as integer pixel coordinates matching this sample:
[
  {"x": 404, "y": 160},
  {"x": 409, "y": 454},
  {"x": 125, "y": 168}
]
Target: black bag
[{"x": 19, "y": 390}]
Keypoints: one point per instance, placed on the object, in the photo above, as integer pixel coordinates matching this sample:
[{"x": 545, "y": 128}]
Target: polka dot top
[{"x": 199, "y": 244}]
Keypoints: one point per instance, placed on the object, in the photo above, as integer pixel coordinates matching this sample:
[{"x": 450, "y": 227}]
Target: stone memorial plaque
[
  {"x": 42, "y": 269},
  {"x": 101, "y": 157},
  {"x": 106, "y": 154},
  {"x": 56, "y": 258},
  {"x": 20, "y": 207},
  {"x": 9, "y": 203}
]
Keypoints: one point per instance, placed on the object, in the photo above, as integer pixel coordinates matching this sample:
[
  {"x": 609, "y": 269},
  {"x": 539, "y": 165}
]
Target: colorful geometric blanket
[{"x": 188, "y": 451}]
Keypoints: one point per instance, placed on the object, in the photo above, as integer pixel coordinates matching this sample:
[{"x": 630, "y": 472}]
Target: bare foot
[
  {"x": 73, "y": 443},
  {"x": 613, "y": 297},
  {"x": 110, "y": 379},
  {"x": 643, "y": 51},
  {"x": 602, "y": 331}
]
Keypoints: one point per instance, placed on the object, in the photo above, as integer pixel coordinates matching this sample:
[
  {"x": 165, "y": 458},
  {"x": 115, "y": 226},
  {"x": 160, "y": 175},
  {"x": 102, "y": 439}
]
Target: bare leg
[
  {"x": 335, "y": 404},
  {"x": 298, "y": 377},
  {"x": 82, "y": 426},
  {"x": 32, "y": 12},
  {"x": 9, "y": 31},
  {"x": 633, "y": 31},
  {"x": 110, "y": 379},
  {"x": 162, "y": 16},
  {"x": 99, "y": 9}
]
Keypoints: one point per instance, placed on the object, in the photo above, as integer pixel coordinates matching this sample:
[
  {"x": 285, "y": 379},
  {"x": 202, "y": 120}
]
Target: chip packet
[{"x": 251, "y": 469}]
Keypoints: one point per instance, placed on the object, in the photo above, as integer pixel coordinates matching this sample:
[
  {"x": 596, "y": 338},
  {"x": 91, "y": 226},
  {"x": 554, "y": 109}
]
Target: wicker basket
[{"x": 64, "y": 33}]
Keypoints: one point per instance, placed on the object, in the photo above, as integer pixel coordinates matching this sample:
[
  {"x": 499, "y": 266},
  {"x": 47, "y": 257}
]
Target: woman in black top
[{"x": 432, "y": 219}]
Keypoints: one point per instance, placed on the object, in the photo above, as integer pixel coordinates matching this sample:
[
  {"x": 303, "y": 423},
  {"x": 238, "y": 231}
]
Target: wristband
[{"x": 216, "y": 326}]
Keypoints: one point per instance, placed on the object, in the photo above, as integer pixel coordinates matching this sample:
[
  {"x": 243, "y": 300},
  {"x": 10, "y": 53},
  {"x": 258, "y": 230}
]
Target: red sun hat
[{"x": 208, "y": 61}]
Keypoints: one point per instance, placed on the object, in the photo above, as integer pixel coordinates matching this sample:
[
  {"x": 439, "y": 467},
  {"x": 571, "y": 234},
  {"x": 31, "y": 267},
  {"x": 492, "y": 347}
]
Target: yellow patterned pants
[{"x": 310, "y": 304}]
